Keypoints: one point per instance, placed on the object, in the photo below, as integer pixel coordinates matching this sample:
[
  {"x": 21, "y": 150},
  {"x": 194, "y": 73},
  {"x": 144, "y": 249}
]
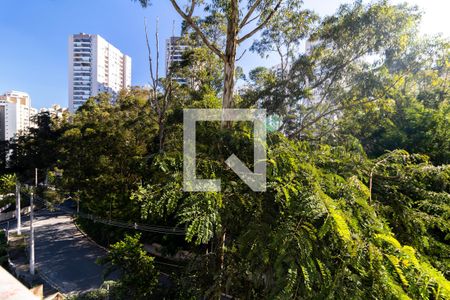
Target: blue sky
[{"x": 34, "y": 38}]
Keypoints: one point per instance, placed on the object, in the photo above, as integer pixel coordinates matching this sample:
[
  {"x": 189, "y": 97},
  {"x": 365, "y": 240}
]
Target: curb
[
  {"x": 50, "y": 282},
  {"x": 92, "y": 241},
  {"x": 85, "y": 234}
]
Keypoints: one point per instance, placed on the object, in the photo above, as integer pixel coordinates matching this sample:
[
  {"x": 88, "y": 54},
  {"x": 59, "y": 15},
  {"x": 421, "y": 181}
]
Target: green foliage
[
  {"x": 335, "y": 73},
  {"x": 139, "y": 276},
  {"x": 104, "y": 153},
  {"x": 7, "y": 189},
  {"x": 108, "y": 290},
  {"x": 344, "y": 227},
  {"x": 201, "y": 212},
  {"x": 403, "y": 120},
  {"x": 284, "y": 33},
  {"x": 415, "y": 198},
  {"x": 8, "y": 183},
  {"x": 37, "y": 149},
  {"x": 202, "y": 68},
  {"x": 346, "y": 214},
  {"x": 313, "y": 233}
]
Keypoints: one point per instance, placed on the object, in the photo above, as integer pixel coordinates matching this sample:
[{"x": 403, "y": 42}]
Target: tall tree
[
  {"x": 160, "y": 94},
  {"x": 284, "y": 33},
  {"x": 104, "y": 152},
  {"x": 241, "y": 22},
  {"x": 414, "y": 115},
  {"x": 36, "y": 149},
  {"x": 336, "y": 73}
]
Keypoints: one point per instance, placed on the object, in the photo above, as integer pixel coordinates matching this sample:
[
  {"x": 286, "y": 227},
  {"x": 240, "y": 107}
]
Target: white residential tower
[
  {"x": 16, "y": 114},
  {"x": 95, "y": 66}
]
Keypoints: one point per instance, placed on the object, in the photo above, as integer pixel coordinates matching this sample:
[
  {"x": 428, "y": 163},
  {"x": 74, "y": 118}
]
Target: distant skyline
[{"x": 34, "y": 34}]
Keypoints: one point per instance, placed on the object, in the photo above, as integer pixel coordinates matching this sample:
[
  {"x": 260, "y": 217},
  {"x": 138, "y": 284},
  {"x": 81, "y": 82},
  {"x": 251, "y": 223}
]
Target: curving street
[{"x": 65, "y": 258}]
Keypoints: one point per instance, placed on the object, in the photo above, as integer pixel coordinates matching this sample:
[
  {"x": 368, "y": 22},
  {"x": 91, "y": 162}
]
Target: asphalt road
[{"x": 65, "y": 257}]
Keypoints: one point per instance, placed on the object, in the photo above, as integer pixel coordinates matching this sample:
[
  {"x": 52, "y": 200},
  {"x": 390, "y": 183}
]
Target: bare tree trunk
[
  {"x": 228, "y": 85},
  {"x": 161, "y": 136},
  {"x": 160, "y": 107},
  {"x": 233, "y": 27},
  {"x": 230, "y": 55}
]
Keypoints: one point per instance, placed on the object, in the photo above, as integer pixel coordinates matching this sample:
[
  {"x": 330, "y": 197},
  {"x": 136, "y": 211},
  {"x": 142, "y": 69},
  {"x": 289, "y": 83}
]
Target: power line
[{"x": 128, "y": 225}]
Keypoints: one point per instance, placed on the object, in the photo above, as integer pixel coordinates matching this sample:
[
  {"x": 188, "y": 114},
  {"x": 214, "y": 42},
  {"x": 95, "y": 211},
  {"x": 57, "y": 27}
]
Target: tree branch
[
  {"x": 326, "y": 113},
  {"x": 191, "y": 10},
  {"x": 241, "y": 55},
  {"x": 262, "y": 24},
  {"x": 249, "y": 13},
  {"x": 252, "y": 19},
  {"x": 197, "y": 29},
  {"x": 153, "y": 93},
  {"x": 149, "y": 52},
  {"x": 157, "y": 50}
]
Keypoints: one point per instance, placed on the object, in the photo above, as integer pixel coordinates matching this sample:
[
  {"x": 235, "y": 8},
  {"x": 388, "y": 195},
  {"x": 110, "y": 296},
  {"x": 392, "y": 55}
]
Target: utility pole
[
  {"x": 31, "y": 236},
  {"x": 18, "y": 208},
  {"x": 31, "y": 223}
]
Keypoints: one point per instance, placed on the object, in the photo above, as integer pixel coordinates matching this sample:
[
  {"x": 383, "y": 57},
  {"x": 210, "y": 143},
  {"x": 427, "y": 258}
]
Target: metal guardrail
[
  {"x": 5, "y": 207},
  {"x": 136, "y": 226},
  {"x": 12, "y": 214},
  {"x": 122, "y": 224}
]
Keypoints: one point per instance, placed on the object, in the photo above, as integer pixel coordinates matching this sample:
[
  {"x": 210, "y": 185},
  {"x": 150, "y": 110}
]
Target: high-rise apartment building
[
  {"x": 16, "y": 114},
  {"x": 174, "y": 54},
  {"x": 95, "y": 66}
]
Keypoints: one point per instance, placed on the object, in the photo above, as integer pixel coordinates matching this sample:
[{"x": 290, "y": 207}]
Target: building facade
[
  {"x": 95, "y": 66},
  {"x": 55, "y": 111},
  {"x": 16, "y": 114},
  {"x": 174, "y": 54}
]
